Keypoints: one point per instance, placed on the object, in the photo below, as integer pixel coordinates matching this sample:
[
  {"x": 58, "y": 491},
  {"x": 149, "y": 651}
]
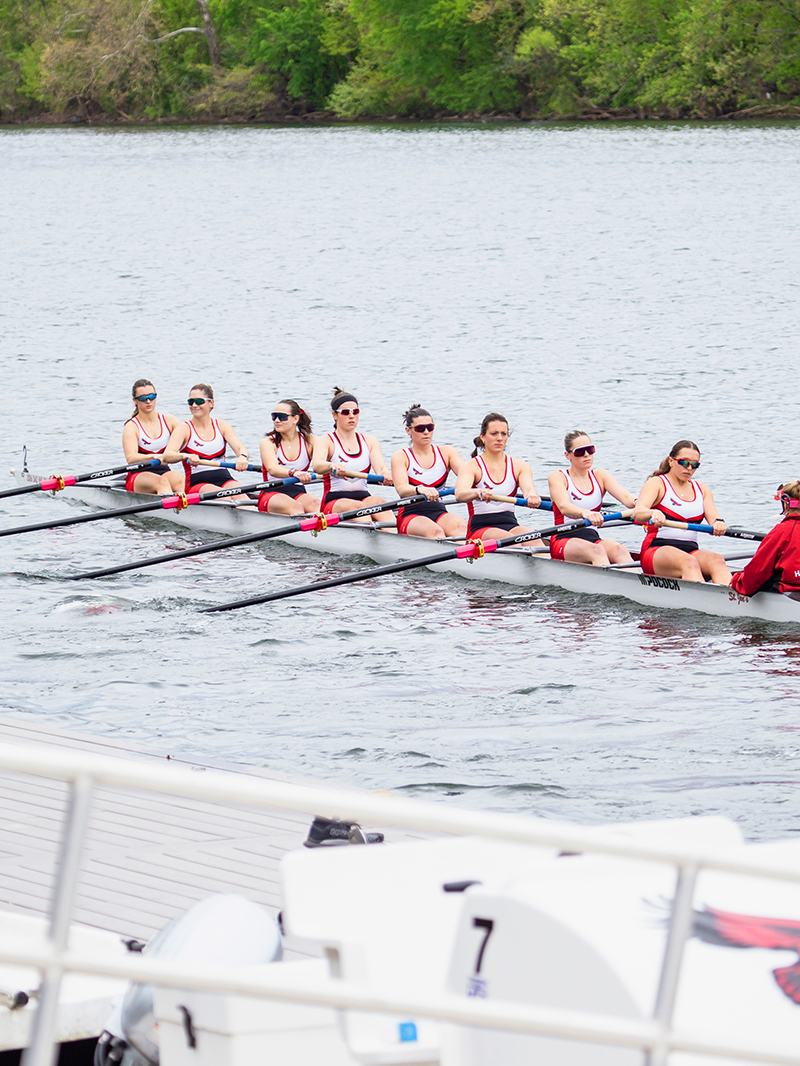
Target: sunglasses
[
  {"x": 426, "y": 427},
  {"x": 687, "y": 464},
  {"x": 146, "y": 398},
  {"x": 347, "y": 411},
  {"x": 587, "y": 449},
  {"x": 279, "y": 416},
  {"x": 197, "y": 400}
]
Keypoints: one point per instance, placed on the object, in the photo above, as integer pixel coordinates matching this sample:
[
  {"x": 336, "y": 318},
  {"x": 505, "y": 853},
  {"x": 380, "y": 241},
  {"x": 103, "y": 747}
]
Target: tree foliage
[{"x": 151, "y": 58}]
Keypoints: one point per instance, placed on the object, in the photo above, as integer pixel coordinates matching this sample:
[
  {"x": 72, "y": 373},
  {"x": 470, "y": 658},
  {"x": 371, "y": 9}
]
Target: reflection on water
[{"x": 564, "y": 275}]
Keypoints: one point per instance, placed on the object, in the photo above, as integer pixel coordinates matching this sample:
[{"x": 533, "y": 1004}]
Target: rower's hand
[
  {"x": 302, "y": 476},
  {"x": 485, "y": 495},
  {"x": 428, "y": 492},
  {"x": 340, "y": 471},
  {"x": 242, "y": 463},
  {"x": 387, "y": 479},
  {"x": 192, "y": 460},
  {"x": 657, "y": 519},
  {"x": 534, "y": 500},
  {"x": 594, "y": 518},
  {"x": 719, "y": 527}
]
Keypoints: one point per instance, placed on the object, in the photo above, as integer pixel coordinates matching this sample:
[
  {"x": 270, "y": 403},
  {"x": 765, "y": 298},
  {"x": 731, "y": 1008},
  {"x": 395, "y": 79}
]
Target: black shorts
[
  {"x": 430, "y": 509},
  {"x": 499, "y": 520},
  {"x": 211, "y": 475},
  {"x": 687, "y": 546},
  {"x": 356, "y": 494},
  {"x": 586, "y": 533}
]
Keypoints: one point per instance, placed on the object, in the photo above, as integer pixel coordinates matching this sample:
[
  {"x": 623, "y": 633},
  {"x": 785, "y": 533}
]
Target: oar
[
  {"x": 227, "y": 463},
  {"x": 178, "y": 502},
  {"x": 371, "y": 479},
  {"x": 55, "y": 484},
  {"x": 471, "y": 550},
  {"x": 701, "y": 527},
  {"x": 522, "y": 501},
  {"x": 313, "y": 523}
]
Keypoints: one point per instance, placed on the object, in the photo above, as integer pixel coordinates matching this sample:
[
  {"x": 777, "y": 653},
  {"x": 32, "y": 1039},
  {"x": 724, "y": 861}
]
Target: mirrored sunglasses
[
  {"x": 279, "y": 416},
  {"x": 196, "y": 400},
  {"x": 146, "y": 398},
  {"x": 347, "y": 411},
  {"x": 426, "y": 427},
  {"x": 687, "y": 464},
  {"x": 587, "y": 449}
]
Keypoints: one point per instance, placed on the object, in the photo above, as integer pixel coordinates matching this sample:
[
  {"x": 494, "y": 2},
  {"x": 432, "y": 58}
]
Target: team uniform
[
  {"x": 776, "y": 565},
  {"x": 302, "y": 462},
  {"x": 483, "y": 515},
  {"x": 150, "y": 446},
  {"x": 206, "y": 449},
  {"x": 432, "y": 477},
  {"x": 588, "y": 501},
  {"x": 678, "y": 510},
  {"x": 340, "y": 488}
]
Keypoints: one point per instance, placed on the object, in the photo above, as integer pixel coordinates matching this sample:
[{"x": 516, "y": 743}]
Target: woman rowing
[
  {"x": 423, "y": 469},
  {"x": 203, "y": 438},
  {"x": 146, "y": 434},
  {"x": 286, "y": 452},
  {"x": 493, "y": 473},
  {"x": 346, "y": 451},
  {"x": 578, "y": 493},
  {"x": 671, "y": 495},
  {"x": 776, "y": 565}
]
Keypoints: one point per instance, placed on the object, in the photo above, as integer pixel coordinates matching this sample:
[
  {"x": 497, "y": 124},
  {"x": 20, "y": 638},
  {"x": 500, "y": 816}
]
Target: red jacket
[{"x": 778, "y": 558}]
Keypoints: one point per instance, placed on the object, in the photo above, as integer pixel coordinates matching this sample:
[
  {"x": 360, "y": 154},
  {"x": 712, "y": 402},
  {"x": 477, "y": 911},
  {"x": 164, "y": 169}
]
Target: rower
[
  {"x": 204, "y": 437},
  {"x": 286, "y": 452},
  {"x": 423, "y": 469},
  {"x": 671, "y": 493},
  {"x": 146, "y": 434},
  {"x": 493, "y": 473},
  {"x": 346, "y": 449},
  {"x": 578, "y": 493},
  {"x": 776, "y": 565}
]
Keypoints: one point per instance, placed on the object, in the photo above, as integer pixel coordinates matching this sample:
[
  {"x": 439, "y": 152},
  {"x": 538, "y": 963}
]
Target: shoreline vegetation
[{"x": 118, "y": 62}]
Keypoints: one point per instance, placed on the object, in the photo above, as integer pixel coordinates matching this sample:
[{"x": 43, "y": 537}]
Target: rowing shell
[{"x": 514, "y": 566}]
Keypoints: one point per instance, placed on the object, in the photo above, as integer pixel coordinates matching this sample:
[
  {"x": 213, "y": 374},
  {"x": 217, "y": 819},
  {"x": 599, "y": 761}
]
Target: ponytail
[
  {"x": 477, "y": 441},
  {"x": 664, "y": 468}
]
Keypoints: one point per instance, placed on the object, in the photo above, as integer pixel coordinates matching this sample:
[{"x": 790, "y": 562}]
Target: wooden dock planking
[{"x": 147, "y": 857}]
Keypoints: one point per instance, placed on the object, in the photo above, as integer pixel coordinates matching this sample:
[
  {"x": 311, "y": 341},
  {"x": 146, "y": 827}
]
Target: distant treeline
[{"x": 270, "y": 59}]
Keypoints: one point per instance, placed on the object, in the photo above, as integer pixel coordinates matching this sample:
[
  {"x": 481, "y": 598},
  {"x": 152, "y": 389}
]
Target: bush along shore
[{"x": 308, "y": 60}]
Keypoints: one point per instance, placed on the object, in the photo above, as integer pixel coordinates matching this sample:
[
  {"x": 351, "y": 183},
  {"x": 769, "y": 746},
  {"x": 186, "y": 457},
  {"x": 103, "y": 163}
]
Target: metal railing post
[
  {"x": 43, "y": 1049},
  {"x": 680, "y": 927}
]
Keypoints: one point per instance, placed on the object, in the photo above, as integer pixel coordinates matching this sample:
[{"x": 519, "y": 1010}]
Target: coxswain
[
  {"x": 146, "y": 434},
  {"x": 578, "y": 493},
  {"x": 671, "y": 493},
  {"x": 286, "y": 452},
  {"x": 204, "y": 437},
  {"x": 490, "y": 472},
  {"x": 776, "y": 565},
  {"x": 422, "y": 469},
  {"x": 346, "y": 449}
]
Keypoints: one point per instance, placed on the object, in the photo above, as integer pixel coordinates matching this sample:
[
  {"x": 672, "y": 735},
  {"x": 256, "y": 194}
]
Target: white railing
[{"x": 85, "y": 772}]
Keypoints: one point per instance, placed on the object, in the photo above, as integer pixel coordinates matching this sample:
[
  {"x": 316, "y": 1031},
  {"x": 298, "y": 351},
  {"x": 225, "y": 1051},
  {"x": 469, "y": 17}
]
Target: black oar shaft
[
  {"x": 49, "y": 483},
  {"x": 249, "y": 538},
  {"x": 359, "y": 575}
]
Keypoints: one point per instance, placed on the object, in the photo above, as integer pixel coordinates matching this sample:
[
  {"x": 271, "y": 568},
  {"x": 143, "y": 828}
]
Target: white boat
[{"x": 515, "y": 566}]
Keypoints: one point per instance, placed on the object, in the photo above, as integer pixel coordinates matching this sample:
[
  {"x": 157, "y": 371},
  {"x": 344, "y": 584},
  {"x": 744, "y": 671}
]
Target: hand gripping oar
[
  {"x": 177, "y": 502},
  {"x": 227, "y": 463},
  {"x": 701, "y": 527},
  {"x": 313, "y": 523},
  {"x": 473, "y": 549},
  {"x": 55, "y": 484}
]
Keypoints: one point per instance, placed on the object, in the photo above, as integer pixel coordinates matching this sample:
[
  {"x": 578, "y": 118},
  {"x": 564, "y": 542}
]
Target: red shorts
[
  {"x": 558, "y": 544},
  {"x": 265, "y": 497},
  {"x": 404, "y": 519},
  {"x": 131, "y": 478},
  {"x": 647, "y": 554}
]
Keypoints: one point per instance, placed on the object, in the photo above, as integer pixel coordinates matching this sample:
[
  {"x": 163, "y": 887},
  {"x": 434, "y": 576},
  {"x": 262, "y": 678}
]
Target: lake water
[{"x": 638, "y": 281}]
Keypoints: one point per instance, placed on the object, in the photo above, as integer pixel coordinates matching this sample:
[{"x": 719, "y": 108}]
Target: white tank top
[
  {"x": 302, "y": 462},
  {"x": 152, "y": 445},
  {"x": 339, "y": 457},
  {"x": 506, "y": 487},
  {"x": 433, "y": 476},
  {"x": 679, "y": 510},
  {"x": 206, "y": 449},
  {"x": 589, "y": 501}
]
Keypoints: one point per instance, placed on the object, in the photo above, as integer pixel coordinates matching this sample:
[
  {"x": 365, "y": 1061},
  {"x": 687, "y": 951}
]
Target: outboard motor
[{"x": 226, "y": 930}]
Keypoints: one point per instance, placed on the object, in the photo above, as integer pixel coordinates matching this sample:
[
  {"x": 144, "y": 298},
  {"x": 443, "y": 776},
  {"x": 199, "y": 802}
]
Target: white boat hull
[{"x": 510, "y": 566}]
